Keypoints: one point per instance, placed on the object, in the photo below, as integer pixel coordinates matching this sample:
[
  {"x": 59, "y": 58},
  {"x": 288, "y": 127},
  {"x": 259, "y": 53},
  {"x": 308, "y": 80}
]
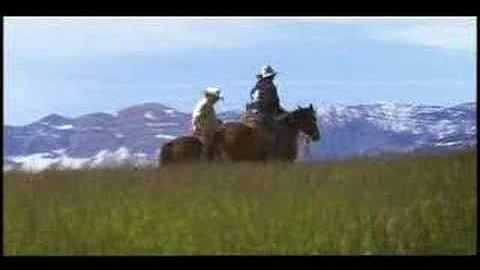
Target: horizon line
[{"x": 330, "y": 104}]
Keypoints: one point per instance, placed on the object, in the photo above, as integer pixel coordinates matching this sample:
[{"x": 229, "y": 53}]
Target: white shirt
[
  {"x": 204, "y": 116},
  {"x": 197, "y": 111}
]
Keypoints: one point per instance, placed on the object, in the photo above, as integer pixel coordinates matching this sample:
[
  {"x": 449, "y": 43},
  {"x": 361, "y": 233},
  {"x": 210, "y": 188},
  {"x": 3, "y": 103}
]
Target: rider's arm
[
  {"x": 252, "y": 91},
  {"x": 256, "y": 88},
  {"x": 199, "y": 115}
]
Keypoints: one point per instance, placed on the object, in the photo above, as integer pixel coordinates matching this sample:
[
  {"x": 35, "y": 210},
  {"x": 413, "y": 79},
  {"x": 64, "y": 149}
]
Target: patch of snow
[
  {"x": 397, "y": 118},
  {"x": 35, "y": 162},
  {"x": 165, "y": 136},
  {"x": 60, "y": 151},
  {"x": 118, "y": 135},
  {"x": 472, "y": 129},
  {"x": 122, "y": 153},
  {"x": 63, "y": 127},
  {"x": 324, "y": 111},
  {"x": 42, "y": 161},
  {"x": 442, "y": 128},
  {"x": 72, "y": 163},
  {"x": 149, "y": 115},
  {"x": 140, "y": 155},
  {"x": 169, "y": 111},
  {"x": 428, "y": 109},
  {"x": 20, "y": 159},
  {"x": 7, "y": 167},
  {"x": 99, "y": 158},
  {"x": 448, "y": 143},
  {"x": 105, "y": 158}
]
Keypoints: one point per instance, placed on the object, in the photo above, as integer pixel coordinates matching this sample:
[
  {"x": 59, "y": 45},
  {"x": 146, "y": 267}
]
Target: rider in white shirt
[{"x": 204, "y": 119}]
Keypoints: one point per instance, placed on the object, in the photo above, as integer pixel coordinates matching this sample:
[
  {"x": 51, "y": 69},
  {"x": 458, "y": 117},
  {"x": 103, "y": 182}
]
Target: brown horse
[
  {"x": 181, "y": 149},
  {"x": 245, "y": 140},
  {"x": 185, "y": 149},
  {"x": 248, "y": 141}
]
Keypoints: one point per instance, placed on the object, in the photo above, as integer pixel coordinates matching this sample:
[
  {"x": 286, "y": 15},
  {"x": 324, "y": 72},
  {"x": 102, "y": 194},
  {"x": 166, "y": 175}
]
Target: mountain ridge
[
  {"x": 160, "y": 105},
  {"x": 135, "y": 133}
]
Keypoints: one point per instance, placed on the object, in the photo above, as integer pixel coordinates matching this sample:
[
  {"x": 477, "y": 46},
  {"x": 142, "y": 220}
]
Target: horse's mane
[
  {"x": 254, "y": 120},
  {"x": 302, "y": 110}
]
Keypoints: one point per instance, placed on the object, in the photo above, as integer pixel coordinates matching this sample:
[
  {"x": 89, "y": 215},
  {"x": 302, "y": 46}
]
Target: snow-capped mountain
[
  {"x": 135, "y": 134},
  {"x": 380, "y": 128}
]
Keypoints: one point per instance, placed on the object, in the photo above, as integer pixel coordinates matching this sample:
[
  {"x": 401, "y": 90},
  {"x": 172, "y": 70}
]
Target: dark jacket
[{"x": 267, "y": 98}]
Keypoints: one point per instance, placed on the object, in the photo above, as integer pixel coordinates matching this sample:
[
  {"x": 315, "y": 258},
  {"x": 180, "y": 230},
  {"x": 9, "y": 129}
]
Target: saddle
[
  {"x": 254, "y": 117},
  {"x": 267, "y": 126},
  {"x": 201, "y": 136}
]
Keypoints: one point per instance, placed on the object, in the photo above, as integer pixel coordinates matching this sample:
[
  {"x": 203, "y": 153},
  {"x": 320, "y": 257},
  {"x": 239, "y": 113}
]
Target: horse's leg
[
  {"x": 224, "y": 156},
  {"x": 219, "y": 152}
]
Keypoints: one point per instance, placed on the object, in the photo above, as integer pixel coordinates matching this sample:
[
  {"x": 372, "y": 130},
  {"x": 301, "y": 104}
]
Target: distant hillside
[{"x": 135, "y": 134}]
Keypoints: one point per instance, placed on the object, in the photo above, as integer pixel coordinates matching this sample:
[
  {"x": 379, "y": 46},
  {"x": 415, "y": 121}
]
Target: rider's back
[{"x": 266, "y": 97}]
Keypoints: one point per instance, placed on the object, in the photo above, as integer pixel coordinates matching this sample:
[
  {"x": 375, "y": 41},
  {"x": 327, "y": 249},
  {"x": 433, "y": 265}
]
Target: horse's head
[{"x": 304, "y": 120}]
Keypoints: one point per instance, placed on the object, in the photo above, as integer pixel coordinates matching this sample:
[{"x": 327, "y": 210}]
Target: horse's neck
[
  {"x": 291, "y": 129},
  {"x": 290, "y": 133}
]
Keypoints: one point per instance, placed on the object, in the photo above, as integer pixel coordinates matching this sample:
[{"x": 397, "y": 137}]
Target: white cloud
[
  {"x": 457, "y": 33},
  {"x": 34, "y": 37},
  {"x": 376, "y": 82},
  {"x": 451, "y": 33},
  {"x": 63, "y": 36}
]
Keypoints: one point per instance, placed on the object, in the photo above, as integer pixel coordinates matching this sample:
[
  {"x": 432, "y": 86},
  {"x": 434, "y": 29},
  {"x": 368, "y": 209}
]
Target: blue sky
[{"x": 77, "y": 65}]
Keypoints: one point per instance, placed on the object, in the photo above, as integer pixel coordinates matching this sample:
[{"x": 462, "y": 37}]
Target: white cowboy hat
[
  {"x": 267, "y": 71},
  {"x": 213, "y": 91}
]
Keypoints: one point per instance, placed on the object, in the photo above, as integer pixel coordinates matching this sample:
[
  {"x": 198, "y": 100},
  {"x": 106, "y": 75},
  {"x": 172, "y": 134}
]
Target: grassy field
[{"x": 416, "y": 205}]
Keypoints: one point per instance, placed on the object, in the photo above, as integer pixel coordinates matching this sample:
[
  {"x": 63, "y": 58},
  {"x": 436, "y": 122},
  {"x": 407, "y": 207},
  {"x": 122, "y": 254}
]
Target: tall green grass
[{"x": 414, "y": 205}]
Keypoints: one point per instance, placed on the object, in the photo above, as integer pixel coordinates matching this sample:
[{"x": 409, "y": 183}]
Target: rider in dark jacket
[
  {"x": 267, "y": 102},
  {"x": 265, "y": 94}
]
